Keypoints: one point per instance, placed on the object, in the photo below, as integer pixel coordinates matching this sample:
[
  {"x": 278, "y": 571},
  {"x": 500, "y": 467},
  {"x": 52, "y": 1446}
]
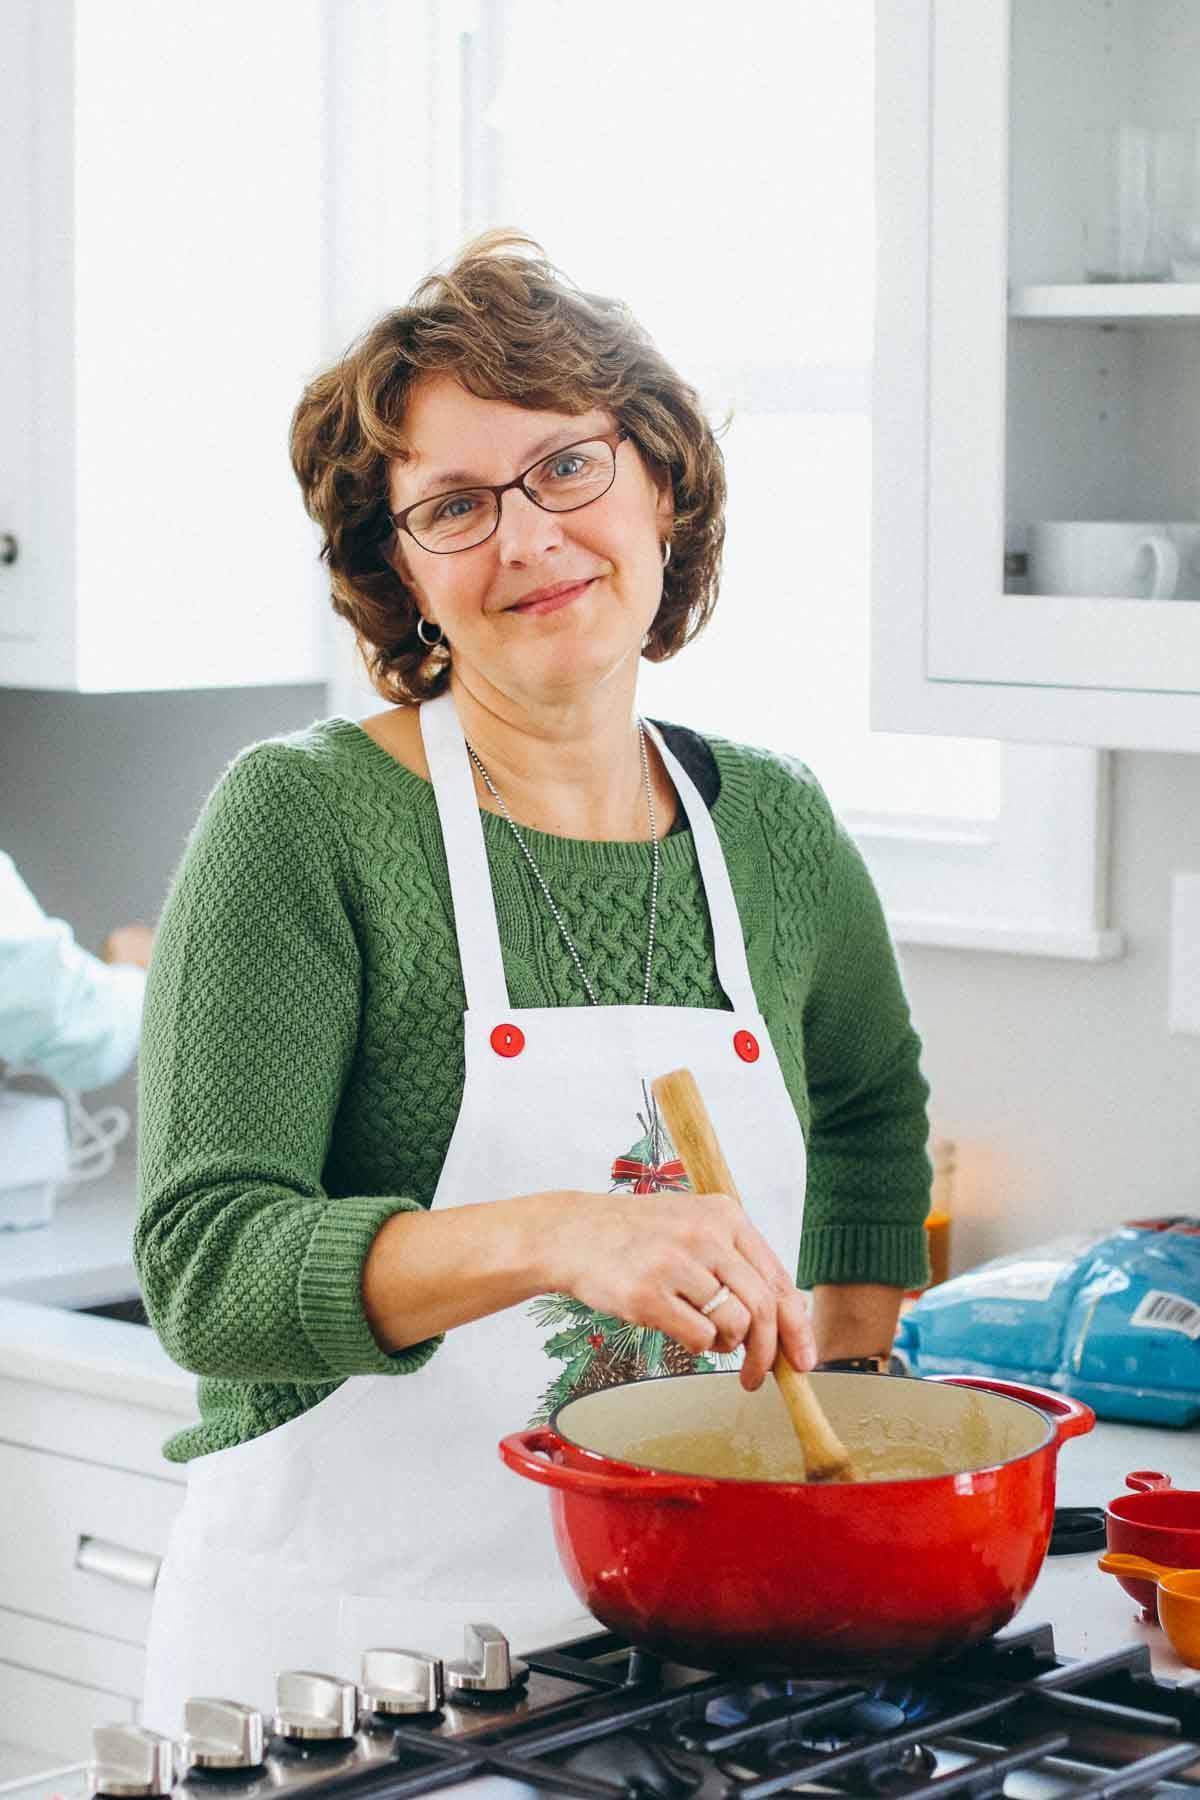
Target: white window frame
[{"x": 1033, "y": 881}]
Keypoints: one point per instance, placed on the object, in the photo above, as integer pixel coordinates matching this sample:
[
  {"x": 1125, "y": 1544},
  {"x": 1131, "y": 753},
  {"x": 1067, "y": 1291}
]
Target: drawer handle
[{"x": 135, "y": 1568}]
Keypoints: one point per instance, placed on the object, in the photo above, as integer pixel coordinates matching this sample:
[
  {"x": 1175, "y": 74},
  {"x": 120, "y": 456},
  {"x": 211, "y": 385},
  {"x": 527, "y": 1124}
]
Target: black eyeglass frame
[{"x": 497, "y": 489}]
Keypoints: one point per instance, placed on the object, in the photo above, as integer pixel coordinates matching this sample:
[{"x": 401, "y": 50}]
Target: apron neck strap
[
  {"x": 466, "y": 857},
  {"x": 471, "y": 884},
  {"x": 729, "y": 946}
]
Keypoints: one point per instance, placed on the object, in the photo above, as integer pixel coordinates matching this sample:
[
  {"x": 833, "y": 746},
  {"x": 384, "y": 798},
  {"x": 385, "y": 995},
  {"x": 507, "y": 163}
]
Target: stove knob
[
  {"x": 127, "y": 1759},
  {"x": 487, "y": 1667},
  {"x": 401, "y": 1681},
  {"x": 314, "y": 1708},
  {"x": 222, "y": 1734}
]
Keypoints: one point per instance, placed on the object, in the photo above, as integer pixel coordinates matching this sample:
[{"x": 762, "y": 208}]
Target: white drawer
[
  {"x": 90, "y": 1428},
  {"x": 80, "y": 1543},
  {"x": 55, "y": 1716},
  {"x": 82, "y": 1657}
]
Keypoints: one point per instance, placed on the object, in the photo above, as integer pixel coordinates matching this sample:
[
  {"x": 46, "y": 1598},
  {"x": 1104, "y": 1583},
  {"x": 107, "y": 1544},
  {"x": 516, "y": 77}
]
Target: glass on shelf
[
  {"x": 1142, "y": 217},
  {"x": 1130, "y": 174},
  {"x": 1183, "y": 233}
]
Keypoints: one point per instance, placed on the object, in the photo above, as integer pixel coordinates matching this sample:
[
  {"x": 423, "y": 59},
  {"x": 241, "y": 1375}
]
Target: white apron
[{"x": 383, "y": 1515}]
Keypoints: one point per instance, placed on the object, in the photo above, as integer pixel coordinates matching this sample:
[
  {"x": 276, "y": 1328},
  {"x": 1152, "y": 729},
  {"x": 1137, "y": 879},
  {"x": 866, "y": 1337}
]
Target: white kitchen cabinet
[
  {"x": 1009, "y": 389},
  {"x": 55, "y": 1717},
  {"x": 92, "y": 1544},
  {"x": 88, "y": 1501},
  {"x": 161, "y": 296}
]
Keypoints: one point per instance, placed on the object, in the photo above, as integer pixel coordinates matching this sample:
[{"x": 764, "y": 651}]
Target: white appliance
[
  {"x": 46, "y": 1141},
  {"x": 35, "y": 1156}
]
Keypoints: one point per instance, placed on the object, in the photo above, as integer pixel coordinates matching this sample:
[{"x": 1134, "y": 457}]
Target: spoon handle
[{"x": 691, "y": 1128}]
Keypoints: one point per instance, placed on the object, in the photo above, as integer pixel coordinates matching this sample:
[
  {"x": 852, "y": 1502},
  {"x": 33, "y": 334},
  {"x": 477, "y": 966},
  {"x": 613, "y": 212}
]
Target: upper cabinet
[
  {"x": 161, "y": 295},
  {"x": 1036, "y": 571}
]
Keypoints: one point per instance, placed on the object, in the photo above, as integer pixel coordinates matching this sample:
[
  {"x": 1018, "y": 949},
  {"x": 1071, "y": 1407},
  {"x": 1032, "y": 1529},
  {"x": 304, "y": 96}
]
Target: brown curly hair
[{"x": 509, "y": 326}]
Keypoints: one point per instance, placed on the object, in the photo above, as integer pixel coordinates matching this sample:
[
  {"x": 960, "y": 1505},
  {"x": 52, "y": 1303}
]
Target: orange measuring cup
[{"x": 1178, "y": 1599}]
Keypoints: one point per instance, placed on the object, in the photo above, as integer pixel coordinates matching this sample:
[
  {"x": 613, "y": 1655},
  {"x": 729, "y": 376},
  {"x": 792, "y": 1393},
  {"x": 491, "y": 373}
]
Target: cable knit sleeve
[
  {"x": 868, "y": 1172},
  {"x": 250, "y": 1269}
]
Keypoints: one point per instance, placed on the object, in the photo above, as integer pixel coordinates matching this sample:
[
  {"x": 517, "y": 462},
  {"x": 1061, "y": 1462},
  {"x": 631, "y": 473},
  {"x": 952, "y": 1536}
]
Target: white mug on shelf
[{"x": 1104, "y": 559}]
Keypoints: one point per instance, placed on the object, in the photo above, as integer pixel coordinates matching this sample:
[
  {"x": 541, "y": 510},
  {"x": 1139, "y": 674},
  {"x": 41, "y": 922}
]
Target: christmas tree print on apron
[{"x": 599, "y": 1350}]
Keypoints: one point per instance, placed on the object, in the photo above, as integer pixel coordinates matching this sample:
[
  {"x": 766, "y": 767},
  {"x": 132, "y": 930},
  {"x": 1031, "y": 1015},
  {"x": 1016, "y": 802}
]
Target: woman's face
[{"x": 613, "y": 543}]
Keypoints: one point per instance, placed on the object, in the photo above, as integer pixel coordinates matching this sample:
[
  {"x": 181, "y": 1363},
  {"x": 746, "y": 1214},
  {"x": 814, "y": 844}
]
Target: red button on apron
[
  {"x": 746, "y": 1045},
  {"x": 509, "y": 1040}
]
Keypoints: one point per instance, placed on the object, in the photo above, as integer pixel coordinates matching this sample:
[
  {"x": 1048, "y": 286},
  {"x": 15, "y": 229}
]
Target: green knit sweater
[{"x": 301, "y": 1064}]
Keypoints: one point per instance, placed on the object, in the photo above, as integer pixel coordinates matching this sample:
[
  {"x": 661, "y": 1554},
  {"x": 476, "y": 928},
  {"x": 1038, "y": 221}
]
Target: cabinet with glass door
[{"x": 1036, "y": 532}]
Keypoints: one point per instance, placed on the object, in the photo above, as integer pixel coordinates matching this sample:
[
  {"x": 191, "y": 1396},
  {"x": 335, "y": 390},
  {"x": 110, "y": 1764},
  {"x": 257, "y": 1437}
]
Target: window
[{"x": 730, "y": 201}]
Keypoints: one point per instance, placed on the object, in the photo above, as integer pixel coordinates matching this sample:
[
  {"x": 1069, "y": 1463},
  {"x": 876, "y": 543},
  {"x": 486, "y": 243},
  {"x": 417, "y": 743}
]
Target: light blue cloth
[{"x": 62, "y": 1010}]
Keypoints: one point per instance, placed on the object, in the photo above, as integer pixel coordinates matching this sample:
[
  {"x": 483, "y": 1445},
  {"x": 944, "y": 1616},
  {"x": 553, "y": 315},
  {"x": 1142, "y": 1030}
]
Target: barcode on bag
[{"x": 1167, "y": 1312}]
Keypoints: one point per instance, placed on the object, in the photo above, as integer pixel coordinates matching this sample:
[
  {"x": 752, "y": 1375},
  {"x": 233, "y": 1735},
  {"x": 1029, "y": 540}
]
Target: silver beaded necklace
[{"x": 566, "y": 936}]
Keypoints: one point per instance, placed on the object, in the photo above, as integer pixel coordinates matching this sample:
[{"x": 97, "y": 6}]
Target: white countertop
[
  {"x": 1090, "y": 1614},
  {"x": 92, "y": 1226},
  {"x": 84, "y": 1255}
]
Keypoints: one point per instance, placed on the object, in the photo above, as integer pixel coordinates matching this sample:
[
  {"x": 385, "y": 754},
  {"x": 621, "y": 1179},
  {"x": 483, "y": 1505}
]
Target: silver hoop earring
[
  {"x": 428, "y": 642},
  {"x": 666, "y": 552}
]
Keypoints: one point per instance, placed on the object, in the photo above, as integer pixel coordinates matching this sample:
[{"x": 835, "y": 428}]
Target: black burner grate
[{"x": 649, "y": 1731}]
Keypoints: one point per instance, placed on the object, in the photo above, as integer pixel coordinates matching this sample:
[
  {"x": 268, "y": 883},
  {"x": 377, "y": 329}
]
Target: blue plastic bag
[{"x": 1112, "y": 1318}]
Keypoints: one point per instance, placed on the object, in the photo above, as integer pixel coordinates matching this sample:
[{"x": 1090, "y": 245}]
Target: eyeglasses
[{"x": 561, "y": 482}]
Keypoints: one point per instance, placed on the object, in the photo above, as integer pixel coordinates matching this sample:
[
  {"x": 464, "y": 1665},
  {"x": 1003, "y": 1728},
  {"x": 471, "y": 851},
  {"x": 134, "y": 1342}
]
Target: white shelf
[{"x": 1107, "y": 302}]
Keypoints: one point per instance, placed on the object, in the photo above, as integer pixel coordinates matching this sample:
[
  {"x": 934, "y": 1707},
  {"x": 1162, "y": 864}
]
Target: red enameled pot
[
  {"x": 787, "y": 1577},
  {"x": 1157, "y": 1521}
]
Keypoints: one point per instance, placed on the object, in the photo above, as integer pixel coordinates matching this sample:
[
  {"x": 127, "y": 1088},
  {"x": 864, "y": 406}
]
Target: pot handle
[
  {"x": 527, "y": 1452},
  {"x": 1147, "y": 1481},
  {"x": 1070, "y": 1418}
]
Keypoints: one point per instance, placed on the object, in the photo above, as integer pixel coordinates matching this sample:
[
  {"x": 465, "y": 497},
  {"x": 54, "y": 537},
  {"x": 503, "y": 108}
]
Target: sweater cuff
[
  {"x": 893, "y": 1255},
  {"x": 331, "y": 1307}
]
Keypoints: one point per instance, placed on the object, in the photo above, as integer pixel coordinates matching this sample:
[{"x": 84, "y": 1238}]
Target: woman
[{"x": 402, "y": 1185}]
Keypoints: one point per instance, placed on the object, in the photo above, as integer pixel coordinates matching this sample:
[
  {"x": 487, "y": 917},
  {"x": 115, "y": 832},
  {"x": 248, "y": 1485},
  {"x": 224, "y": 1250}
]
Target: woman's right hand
[{"x": 658, "y": 1259}]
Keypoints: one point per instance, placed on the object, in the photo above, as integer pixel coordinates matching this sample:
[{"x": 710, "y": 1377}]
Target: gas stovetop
[{"x": 594, "y": 1719}]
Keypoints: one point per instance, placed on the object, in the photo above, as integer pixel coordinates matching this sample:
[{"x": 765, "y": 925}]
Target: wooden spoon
[{"x": 691, "y": 1129}]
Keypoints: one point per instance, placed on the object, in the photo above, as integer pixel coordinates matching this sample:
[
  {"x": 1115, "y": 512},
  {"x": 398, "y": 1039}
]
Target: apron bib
[{"x": 383, "y": 1515}]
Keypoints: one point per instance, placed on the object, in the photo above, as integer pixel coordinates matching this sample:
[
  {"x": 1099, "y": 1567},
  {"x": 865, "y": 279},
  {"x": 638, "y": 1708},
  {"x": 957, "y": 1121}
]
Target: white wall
[
  {"x": 99, "y": 791},
  {"x": 1067, "y": 1097}
]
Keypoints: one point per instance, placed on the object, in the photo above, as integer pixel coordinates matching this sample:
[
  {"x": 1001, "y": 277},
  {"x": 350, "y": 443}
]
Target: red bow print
[{"x": 648, "y": 1178}]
